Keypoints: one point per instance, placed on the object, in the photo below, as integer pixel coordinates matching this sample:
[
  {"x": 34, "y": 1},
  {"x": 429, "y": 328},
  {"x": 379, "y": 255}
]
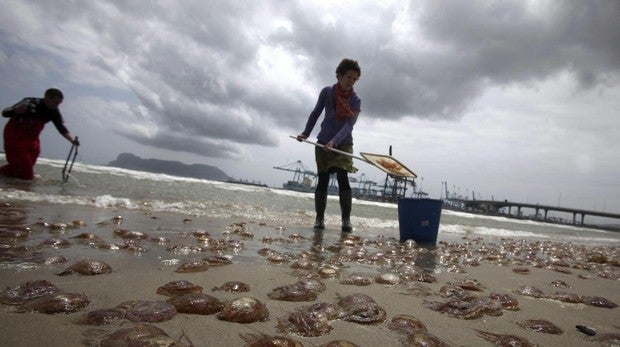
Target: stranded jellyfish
[
  {"x": 141, "y": 335},
  {"x": 193, "y": 266},
  {"x": 233, "y": 286},
  {"x": 312, "y": 284},
  {"x": 598, "y": 301},
  {"x": 530, "y": 291},
  {"x": 196, "y": 303},
  {"x": 218, "y": 260},
  {"x": 244, "y": 310},
  {"x": 406, "y": 324},
  {"x": 540, "y": 325},
  {"x": 508, "y": 301},
  {"x": 504, "y": 339},
  {"x": 310, "y": 321},
  {"x": 293, "y": 292},
  {"x": 465, "y": 309},
  {"x": 150, "y": 311},
  {"x": 339, "y": 343},
  {"x": 424, "y": 338},
  {"x": 388, "y": 278},
  {"x": 261, "y": 340},
  {"x": 87, "y": 267},
  {"x": 56, "y": 303},
  {"x": 27, "y": 291},
  {"x": 178, "y": 287},
  {"x": 361, "y": 308},
  {"x": 55, "y": 242},
  {"x": 357, "y": 280}
]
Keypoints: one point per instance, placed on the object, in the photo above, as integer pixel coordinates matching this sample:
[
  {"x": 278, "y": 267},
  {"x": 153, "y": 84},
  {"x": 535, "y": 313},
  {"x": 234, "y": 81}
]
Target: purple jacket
[{"x": 331, "y": 127}]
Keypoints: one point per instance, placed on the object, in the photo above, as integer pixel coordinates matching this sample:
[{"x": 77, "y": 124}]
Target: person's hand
[
  {"x": 301, "y": 137},
  {"x": 329, "y": 146},
  {"x": 75, "y": 142}
]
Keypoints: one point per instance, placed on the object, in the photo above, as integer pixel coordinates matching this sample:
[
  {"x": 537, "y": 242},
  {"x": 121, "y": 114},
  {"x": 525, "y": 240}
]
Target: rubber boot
[
  {"x": 320, "y": 202},
  {"x": 345, "y": 209}
]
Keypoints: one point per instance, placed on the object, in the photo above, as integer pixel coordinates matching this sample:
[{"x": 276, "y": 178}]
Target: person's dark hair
[
  {"x": 54, "y": 93},
  {"x": 346, "y": 65}
]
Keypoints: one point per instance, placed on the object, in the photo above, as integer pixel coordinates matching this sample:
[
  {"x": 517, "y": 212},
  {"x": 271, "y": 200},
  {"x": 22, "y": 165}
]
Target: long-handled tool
[
  {"x": 384, "y": 162},
  {"x": 66, "y": 172}
]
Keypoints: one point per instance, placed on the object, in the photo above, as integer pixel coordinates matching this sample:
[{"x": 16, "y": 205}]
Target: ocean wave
[
  {"x": 505, "y": 233},
  {"x": 116, "y": 171},
  {"x": 486, "y": 231},
  {"x": 99, "y": 201},
  {"x": 192, "y": 208}
]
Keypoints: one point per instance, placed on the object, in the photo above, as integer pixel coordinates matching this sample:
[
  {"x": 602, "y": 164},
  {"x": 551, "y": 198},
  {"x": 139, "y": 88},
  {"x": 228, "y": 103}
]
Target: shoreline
[{"x": 138, "y": 275}]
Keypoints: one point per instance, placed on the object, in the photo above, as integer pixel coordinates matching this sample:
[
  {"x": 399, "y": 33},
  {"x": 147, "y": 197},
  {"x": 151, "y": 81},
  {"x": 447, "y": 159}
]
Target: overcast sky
[{"x": 513, "y": 100}]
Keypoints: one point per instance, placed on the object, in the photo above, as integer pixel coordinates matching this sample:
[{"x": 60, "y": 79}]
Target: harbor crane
[{"x": 303, "y": 180}]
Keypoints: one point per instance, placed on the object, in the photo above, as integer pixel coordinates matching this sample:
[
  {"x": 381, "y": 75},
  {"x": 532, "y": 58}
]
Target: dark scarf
[{"x": 343, "y": 109}]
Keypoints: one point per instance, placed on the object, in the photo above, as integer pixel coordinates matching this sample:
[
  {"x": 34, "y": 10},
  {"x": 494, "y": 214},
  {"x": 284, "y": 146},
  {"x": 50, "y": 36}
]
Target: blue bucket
[{"x": 418, "y": 219}]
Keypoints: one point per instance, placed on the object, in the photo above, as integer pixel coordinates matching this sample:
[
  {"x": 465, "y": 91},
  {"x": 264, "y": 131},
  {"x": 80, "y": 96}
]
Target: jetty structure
[{"x": 538, "y": 212}]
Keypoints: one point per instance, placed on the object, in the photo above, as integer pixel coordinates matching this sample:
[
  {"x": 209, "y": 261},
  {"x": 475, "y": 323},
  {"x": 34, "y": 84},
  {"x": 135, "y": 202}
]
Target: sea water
[{"x": 109, "y": 187}]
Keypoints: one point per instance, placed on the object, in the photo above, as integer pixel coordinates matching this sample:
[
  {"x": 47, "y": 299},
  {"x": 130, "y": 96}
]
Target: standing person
[
  {"x": 342, "y": 107},
  {"x": 27, "y": 119}
]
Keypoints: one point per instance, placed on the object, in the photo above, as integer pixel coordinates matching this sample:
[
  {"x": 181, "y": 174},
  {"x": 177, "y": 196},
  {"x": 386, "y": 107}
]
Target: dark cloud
[
  {"x": 480, "y": 44},
  {"x": 516, "y": 41},
  {"x": 183, "y": 143},
  {"x": 221, "y": 74}
]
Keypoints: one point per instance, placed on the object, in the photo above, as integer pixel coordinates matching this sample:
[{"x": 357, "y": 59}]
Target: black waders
[
  {"x": 345, "y": 209},
  {"x": 320, "y": 202}
]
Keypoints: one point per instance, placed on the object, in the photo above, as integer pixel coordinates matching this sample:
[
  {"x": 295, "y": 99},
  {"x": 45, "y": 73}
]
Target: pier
[{"x": 493, "y": 207}]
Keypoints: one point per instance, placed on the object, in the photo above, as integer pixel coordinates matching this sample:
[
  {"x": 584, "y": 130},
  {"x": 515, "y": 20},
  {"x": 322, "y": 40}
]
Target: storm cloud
[
  {"x": 226, "y": 79},
  {"x": 224, "y": 73}
]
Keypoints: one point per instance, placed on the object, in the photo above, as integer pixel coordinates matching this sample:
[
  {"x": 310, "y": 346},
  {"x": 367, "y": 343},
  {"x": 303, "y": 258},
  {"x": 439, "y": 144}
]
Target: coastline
[{"x": 137, "y": 276}]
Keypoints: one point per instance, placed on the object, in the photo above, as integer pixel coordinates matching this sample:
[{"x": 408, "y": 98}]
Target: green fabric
[{"x": 328, "y": 159}]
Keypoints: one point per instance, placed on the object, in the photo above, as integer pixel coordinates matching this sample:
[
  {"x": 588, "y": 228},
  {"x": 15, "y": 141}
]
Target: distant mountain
[{"x": 174, "y": 168}]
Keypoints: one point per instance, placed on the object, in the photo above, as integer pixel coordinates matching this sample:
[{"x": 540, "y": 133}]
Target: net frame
[{"x": 388, "y": 164}]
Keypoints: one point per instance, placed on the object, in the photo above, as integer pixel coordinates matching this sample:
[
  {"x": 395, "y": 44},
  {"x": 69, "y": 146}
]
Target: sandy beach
[{"x": 137, "y": 275}]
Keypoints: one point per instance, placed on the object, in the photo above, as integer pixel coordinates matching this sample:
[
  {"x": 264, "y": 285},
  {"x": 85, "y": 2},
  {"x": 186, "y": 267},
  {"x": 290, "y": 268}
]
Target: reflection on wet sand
[
  {"x": 426, "y": 258},
  {"x": 319, "y": 248},
  {"x": 11, "y": 215},
  {"x": 351, "y": 247}
]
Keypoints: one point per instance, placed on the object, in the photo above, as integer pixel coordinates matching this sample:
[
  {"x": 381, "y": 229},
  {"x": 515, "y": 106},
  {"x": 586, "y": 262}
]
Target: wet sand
[{"x": 136, "y": 276}]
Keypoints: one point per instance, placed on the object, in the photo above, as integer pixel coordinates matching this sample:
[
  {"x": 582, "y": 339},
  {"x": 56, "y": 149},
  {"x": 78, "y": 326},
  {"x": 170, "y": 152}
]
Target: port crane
[
  {"x": 303, "y": 179},
  {"x": 365, "y": 188}
]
